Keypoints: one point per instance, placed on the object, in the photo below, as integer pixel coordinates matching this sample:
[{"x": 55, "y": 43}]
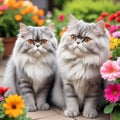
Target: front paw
[
  {"x": 71, "y": 113},
  {"x": 31, "y": 108},
  {"x": 91, "y": 113},
  {"x": 44, "y": 106}
]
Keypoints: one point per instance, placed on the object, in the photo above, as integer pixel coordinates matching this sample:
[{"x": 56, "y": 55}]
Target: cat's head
[
  {"x": 36, "y": 41},
  {"x": 83, "y": 38}
]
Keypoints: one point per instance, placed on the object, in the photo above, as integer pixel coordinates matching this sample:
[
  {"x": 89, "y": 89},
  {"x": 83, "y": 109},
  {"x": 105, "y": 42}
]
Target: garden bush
[{"x": 88, "y": 10}]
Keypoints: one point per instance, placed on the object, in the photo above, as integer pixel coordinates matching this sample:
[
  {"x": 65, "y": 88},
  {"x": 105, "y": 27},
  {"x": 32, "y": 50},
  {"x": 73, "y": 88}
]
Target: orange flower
[
  {"x": 19, "y": 4},
  {"x": 35, "y": 18},
  {"x": 40, "y": 12},
  {"x": 23, "y": 12},
  {"x": 1, "y": 12},
  {"x": 18, "y": 17},
  {"x": 10, "y": 3},
  {"x": 40, "y": 22}
]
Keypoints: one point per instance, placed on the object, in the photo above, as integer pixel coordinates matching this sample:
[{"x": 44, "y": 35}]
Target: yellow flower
[{"x": 14, "y": 105}]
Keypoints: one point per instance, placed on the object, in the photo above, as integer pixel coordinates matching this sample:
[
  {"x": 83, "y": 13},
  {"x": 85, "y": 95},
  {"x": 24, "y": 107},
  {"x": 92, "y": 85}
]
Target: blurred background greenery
[{"x": 88, "y": 10}]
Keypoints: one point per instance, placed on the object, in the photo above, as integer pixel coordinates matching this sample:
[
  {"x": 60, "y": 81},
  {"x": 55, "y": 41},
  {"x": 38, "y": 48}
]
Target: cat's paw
[
  {"x": 71, "y": 113},
  {"x": 44, "y": 106},
  {"x": 31, "y": 108},
  {"x": 91, "y": 113}
]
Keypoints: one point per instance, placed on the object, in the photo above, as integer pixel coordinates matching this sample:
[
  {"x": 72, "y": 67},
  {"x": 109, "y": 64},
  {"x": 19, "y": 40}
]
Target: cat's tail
[
  {"x": 57, "y": 92},
  {"x": 9, "y": 77}
]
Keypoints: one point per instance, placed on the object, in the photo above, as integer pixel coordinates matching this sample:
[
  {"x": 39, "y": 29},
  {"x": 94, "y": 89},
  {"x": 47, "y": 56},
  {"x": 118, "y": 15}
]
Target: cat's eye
[
  {"x": 86, "y": 39},
  {"x": 44, "y": 41},
  {"x": 73, "y": 37},
  {"x": 30, "y": 41}
]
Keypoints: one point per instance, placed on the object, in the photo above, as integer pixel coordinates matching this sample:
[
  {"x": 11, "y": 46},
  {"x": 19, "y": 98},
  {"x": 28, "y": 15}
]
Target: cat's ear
[
  {"x": 73, "y": 20},
  {"x": 50, "y": 27},
  {"x": 23, "y": 27},
  {"x": 100, "y": 27}
]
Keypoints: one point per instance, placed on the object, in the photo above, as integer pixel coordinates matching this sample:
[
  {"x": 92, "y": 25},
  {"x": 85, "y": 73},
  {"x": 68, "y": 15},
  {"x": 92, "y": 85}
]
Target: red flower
[
  {"x": 118, "y": 19},
  {"x": 104, "y": 14},
  {"x": 3, "y": 90},
  {"x": 100, "y": 18},
  {"x": 118, "y": 13},
  {"x": 107, "y": 25},
  {"x": 61, "y": 17},
  {"x": 112, "y": 17},
  {"x": 1, "y": 0}
]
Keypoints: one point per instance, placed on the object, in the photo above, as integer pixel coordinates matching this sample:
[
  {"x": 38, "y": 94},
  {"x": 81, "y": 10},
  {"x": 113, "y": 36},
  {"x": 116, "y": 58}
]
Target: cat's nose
[
  {"x": 37, "y": 45},
  {"x": 78, "y": 42}
]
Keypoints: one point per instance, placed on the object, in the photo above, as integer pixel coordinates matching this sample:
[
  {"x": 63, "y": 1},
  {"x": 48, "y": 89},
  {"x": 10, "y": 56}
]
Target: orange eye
[
  {"x": 73, "y": 37},
  {"x": 30, "y": 41},
  {"x": 44, "y": 41},
  {"x": 86, "y": 39}
]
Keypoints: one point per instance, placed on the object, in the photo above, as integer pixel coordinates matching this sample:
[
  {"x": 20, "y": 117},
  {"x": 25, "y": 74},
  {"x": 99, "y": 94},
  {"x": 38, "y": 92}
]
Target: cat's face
[
  {"x": 83, "y": 38},
  {"x": 37, "y": 41}
]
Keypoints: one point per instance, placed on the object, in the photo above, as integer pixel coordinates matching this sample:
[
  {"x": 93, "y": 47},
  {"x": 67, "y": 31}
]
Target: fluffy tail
[
  {"x": 57, "y": 92},
  {"x": 9, "y": 78}
]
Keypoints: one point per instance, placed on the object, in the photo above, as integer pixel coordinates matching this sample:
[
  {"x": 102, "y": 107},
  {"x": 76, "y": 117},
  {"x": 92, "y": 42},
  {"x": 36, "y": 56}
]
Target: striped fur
[
  {"x": 79, "y": 65},
  {"x": 31, "y": 68}
]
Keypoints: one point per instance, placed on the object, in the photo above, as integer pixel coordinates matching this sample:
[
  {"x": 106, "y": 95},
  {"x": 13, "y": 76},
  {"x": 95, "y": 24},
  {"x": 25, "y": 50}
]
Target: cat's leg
[
  {"x": 90, "y": 107},
  {"x": 41, "y": 98},
  {"x": 26, "y": 92},
  {"x": 71, "y": 100}
]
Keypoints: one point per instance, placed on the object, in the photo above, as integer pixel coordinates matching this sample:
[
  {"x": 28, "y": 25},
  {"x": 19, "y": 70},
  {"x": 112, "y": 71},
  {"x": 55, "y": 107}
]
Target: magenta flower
[
  {"x": 61, "y": 18},
  {"x": 114, "y": 28},
  {"x": 110, "y": 70},
  {"x": 112, "y": 92},
  {"x": 116, "y": 34}
]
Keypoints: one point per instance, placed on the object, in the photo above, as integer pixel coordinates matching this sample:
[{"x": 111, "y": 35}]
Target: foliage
[
  {"x": 12, "y": 107},
  {"x": 1, "y": 46},
  {"x": 87, "y": 10},
  {"x": 12, "y": 12},
  {"x": 112, "y": 22}
]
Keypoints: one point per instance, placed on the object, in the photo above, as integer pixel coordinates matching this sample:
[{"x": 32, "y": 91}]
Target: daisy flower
[
  {"x": 110, "y": 70},
  {"x": 14, "y": 106},
  {"x": 112, "y": 92}
]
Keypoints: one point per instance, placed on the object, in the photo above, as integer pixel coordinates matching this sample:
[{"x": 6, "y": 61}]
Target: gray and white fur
[
  {"x": 31, "y": 68},
  {"x": 83, "y": 48}
]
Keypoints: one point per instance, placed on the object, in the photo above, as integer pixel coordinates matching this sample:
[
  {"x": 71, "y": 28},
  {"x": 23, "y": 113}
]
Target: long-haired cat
[
  {"x": 83, "y": 48},
  {"x": 30, "y": 70}
]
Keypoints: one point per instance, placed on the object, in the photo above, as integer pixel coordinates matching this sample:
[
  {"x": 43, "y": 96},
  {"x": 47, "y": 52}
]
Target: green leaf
[
  {"x": 109, "y": 108},
  {"x": 2, "y": 115},
  {"x": 116, "y": 115}
]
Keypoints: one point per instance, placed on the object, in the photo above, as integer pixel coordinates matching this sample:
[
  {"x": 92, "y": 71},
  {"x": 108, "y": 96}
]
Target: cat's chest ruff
[{"x": 38, "y": 71}]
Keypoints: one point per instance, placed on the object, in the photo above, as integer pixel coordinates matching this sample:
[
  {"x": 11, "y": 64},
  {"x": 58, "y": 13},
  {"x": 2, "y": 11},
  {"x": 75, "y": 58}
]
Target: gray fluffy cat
[
  {"x": 84, "y": 47},
  {"x": 30, "y": 70}
]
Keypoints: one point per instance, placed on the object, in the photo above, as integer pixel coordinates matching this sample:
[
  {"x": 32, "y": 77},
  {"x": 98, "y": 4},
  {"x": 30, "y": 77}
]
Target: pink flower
[
  {"x": 112, "y": 92},
  {"x": 116, "y": 34},
  {"x": 3, "y": 7},
  {"x": 1, "y": 98},
  {"x": 110, "y": 70},
  {"x": 118, "y": 61},
  {"x": 61, "y": 17}
]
